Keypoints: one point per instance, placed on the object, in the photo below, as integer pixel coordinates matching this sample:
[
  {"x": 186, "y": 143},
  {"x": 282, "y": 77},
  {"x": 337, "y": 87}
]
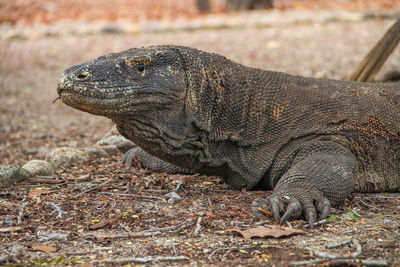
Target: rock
[
  {"x": 126, "y": 145},
  {"x": 95, "y": 151},
  {"x": 66, "y": 157},
  {"x": 39, "y": 167},
  {"x": 173, "y": 198},
  {"x": 3, "y": 258},
  {"x": 16, "y": 249},
  {"x": 10, "y": 175},
  {"x": 111, "y": 150},
  {"x": 111, "y": 140},
  {"x": 114, "y": 138},
  {"x": 113, "y": 131}
]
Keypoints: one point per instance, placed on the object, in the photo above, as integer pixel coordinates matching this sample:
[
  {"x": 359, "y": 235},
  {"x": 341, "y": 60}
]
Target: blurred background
[{"x": 40, "y": 38}]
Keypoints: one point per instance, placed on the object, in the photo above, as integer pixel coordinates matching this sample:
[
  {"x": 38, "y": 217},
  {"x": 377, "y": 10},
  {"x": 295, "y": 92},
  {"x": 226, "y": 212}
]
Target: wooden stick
[{"x": 377, "y": 56}]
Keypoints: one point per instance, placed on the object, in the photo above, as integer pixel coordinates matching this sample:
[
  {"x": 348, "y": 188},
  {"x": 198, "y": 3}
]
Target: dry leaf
[
  {"x": 275, "y": 231},
  {"x": 38, "y": 192},
  {"x": 99, "y": 225},
  {"x": 265, "y": 212},
  {"x": 45, "y": 248}
]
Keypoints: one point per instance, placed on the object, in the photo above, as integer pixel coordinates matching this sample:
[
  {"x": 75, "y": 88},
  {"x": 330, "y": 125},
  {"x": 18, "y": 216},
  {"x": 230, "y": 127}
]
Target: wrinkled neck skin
[{"x": 166, "y": 134}]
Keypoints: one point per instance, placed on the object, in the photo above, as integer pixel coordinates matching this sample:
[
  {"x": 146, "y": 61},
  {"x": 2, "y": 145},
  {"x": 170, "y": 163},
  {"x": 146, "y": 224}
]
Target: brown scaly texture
[{"x": 313, "y": 141}]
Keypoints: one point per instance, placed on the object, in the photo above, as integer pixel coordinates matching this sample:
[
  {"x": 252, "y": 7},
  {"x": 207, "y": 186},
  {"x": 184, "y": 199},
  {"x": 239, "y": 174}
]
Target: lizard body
[{"x": 313, "y": 141}]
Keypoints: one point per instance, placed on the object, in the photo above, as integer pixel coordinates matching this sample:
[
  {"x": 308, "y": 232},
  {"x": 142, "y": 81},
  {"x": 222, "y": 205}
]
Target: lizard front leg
[
  {"x": 151, "y": 162},
  {"x": 321, "y": 175}
]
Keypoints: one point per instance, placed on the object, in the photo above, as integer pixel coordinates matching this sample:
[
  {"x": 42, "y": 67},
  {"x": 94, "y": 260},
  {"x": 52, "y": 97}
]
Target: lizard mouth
[{"x": 91, "y": 104}]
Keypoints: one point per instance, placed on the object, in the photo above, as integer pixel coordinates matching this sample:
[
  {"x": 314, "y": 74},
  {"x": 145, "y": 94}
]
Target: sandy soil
[{"x": 30, "y": 126}]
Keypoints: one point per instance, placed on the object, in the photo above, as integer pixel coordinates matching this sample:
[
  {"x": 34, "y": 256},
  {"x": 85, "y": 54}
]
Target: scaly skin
[{"x": 313, "y": 141}]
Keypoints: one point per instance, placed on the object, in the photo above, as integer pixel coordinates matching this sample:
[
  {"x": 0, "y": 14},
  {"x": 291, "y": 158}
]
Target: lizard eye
[{"x": 140, "y": 67}]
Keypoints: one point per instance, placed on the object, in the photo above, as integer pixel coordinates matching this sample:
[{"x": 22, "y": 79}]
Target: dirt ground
[{"x": 111, "y": 212}]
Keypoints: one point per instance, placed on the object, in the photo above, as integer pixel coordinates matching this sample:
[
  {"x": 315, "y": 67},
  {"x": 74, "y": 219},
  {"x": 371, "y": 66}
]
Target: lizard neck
[
  {"x": 168, "y": 135},
  {"x": 225, "y": 97}
]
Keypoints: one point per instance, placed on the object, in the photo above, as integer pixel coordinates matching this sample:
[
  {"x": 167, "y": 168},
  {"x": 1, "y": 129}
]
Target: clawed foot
[
  {"x": 129, "y": 158},
  {"x": 292, "y": 205}
]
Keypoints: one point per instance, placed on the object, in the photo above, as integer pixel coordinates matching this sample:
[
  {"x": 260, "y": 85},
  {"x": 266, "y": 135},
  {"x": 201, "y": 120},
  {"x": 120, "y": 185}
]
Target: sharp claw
[
  {"x": 288, "y": 213},
  {"x": 323, "y": 207},
  {"x": 128, "y": 159},
  {"x": 275, "y": 208},
  {"x": 311, "y": 220},
  {"x": 123, "y": 159},
  {"x": 324, "y": 212}
]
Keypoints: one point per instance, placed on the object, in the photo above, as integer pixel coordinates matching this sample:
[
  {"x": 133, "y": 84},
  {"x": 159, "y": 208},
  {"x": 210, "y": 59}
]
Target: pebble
[
  {"x": 111, "y": 150},
  {"x": 66, "y": 157},
  {"x": 15, "y": 249},
  {"x": 113, "y": 138},
  {"x": 3, "y": 258},
  {"x": 95, "y": 152},
  {"x": 10, "y": 175},
  {"x": 45, "y": 236},
  {"x": 387, "y": 221},
  {"x": 39, "y": 167},
  {"x": 126, "y": 145},
  {"x": 173, "y": 198}
]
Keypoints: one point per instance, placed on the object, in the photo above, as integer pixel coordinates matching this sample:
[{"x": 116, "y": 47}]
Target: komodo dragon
[{"x": 313, "y": 141}]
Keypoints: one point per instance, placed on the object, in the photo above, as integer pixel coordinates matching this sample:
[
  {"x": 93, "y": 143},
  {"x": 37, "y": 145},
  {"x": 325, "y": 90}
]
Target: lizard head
[{"x": 137, "y": 80}]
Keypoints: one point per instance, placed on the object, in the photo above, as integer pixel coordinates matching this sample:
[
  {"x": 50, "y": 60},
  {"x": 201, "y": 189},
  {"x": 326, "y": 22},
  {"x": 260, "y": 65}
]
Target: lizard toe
[
  {"x": 323, "y": 207},
  {"x": 274, "y": 203},
  {"x": 129, "y": 157},
  {"x": 293, "y": 210},
  {"x": 258, "y": 205}
]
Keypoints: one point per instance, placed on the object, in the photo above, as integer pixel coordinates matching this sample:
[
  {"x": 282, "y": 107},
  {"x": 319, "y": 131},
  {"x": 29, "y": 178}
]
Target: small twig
[
  {"x": 215, "y": 251},
  {"x": 170, "y": 228},
  {"x": 155, "y": 190},
  {"x": 347, "y": 256},
  {"x": 301, "y": 263},
  {"x": 150, "y": 232},
  {"x": 46, "y": 176},
  {"x": 57, "y": 209},
  {"x": 378, "y": 197},
  {"x": 10, "y": 229},
  {"x": 344, "y": 243},
  {"x": 317, "y": 223},
  {"x": 163, "y": 229},
  {"x": 43, "y": 181},
  {"x": 131, "y": 195},
  {"x": 228, "y": 248},
  {"x": 173, "y": 246},
  {"x": 341, "y": 262},
  {"x": 198, "y": 227},
  {"x": 178, "y": 187},
  {"x": 126, "y": 228},
  {"x": 147, "y": 259},
  {"x": 88, "y": 190},
  {"x": 124, "y": 235},
  {"x": 367, "y": 205},
  {"x": 21, "y": 211}
]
